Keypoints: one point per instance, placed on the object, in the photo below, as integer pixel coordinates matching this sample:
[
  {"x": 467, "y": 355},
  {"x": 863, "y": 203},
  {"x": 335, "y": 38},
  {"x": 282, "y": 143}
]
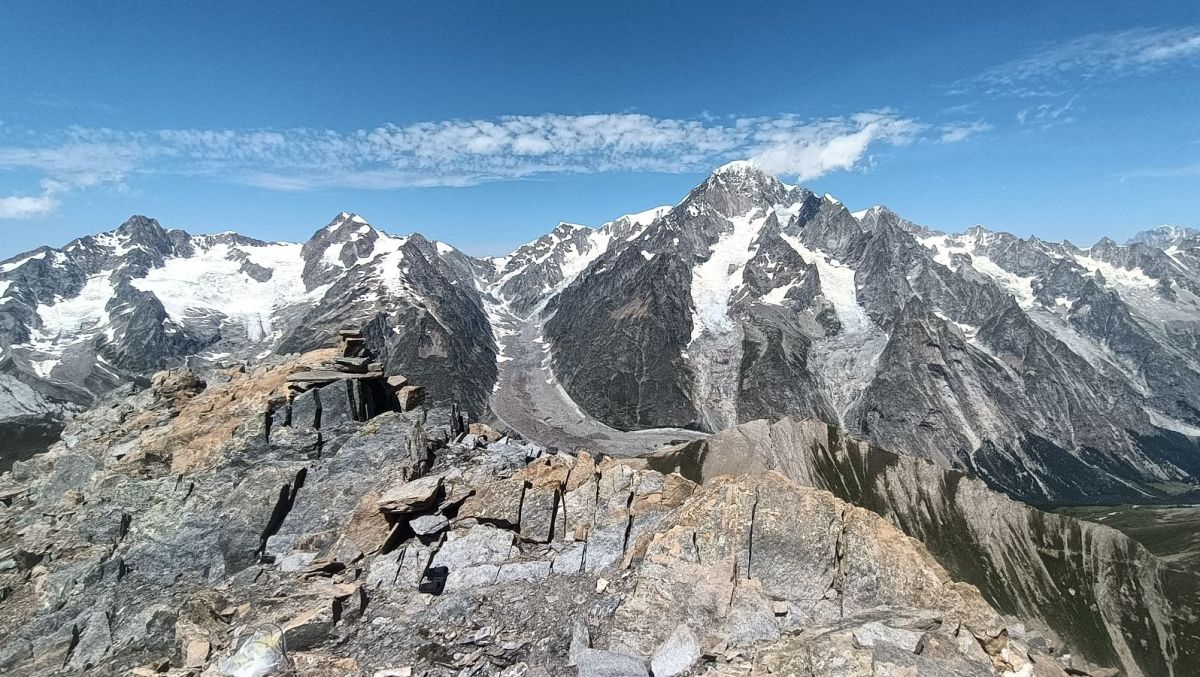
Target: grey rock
[
  {"x": 677, "y": 654},
  {"x": 873, "y": 633},
  {"x": 538, "y": 510},
  {"x": 481, "y": 544},
  {"x": 336, "y": 405},
  {"x": 569, "y": 561},
  {"x": 384, "y": 570},
  {"x": 15, "y": 651},
  {"x": 498, "y": 502},
  {"x": 296, "y": 561},
  {"x": 306, "y": 409},
  {"x": 428, "y": 524},
  {"x": 606, "y": 541},
  {"x": 309, "y": 627},
  {"x": 581, "y": 640},
  {"x": 471, "y": 576},
  {"x": 411, "y": 496},
  {"x": 523, "y": 571},
  {"x": 597, "y": 663}
]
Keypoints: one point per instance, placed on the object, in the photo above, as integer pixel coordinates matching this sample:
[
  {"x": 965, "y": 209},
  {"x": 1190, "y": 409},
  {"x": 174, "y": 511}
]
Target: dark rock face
[
  {"x": 621, "y": 350},
  {"x": 1046, "y": 368}
]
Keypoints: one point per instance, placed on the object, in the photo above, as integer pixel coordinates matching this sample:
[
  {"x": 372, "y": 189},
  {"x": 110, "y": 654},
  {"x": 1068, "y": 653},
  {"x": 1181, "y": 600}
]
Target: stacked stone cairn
[{"x": 350, "y": 387}]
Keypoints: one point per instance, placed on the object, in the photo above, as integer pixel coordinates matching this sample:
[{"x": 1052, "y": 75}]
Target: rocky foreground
[{"x": 171, "y": 523}]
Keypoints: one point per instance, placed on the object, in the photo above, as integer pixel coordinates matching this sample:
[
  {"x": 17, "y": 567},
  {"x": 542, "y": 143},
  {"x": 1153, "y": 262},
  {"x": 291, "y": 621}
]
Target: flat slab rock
[
  {"x": 329, "y": 375},
  {"x": 411, "y": 496},
  {"x": 597, "y": 663}
]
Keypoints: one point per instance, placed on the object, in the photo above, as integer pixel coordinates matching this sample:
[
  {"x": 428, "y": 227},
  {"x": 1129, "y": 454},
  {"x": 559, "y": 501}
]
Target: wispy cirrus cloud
[
  {"x": 1047, "y": 115},
  {"x": 449, "y": 153},
  {"x": 1163, "y": 172},
  {"x": 1060, "y": 68},
  {"x": 954, "y": 132}
]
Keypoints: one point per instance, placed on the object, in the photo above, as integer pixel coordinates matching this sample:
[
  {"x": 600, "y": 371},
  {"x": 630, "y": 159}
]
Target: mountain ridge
[{"x": 1024, "y": 361}]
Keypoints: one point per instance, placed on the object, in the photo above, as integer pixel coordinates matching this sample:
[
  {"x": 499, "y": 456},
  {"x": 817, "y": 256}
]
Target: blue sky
[{"x": 485, "y": 123}]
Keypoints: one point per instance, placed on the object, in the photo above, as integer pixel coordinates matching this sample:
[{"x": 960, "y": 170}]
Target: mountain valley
[
  {"x": 1056, "y": 373},
  {"x": 735, "y": 399}
]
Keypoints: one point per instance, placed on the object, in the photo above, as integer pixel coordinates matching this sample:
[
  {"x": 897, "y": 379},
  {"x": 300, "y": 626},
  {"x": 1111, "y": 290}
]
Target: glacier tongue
[
  {"x": 845, "y": 361},
  {"x": 715, "y": 346}
]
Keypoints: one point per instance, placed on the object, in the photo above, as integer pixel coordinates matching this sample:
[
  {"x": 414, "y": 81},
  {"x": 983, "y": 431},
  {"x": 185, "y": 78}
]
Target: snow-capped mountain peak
[
  {"x": 1164, "y": 236},
  {"x": 1010, "y": 357},
  {"x": 736, "y": 167}
]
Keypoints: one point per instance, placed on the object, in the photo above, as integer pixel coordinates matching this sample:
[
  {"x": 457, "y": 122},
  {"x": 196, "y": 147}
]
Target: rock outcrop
[
  {"x": 1102, "y": 592},
  {"x": 408, "y": 545}
]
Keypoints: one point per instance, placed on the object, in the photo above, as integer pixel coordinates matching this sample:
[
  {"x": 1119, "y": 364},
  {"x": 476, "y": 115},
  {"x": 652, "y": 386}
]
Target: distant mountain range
[{"x": 1056, "y": 373}]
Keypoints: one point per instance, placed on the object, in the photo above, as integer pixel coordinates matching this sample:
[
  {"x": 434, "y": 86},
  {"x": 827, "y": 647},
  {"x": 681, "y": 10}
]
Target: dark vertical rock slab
[
  {"x": 281, "y": 416},
  {"x": 306, "y": 410},
  {"x": 618, "y": 340},
  {"x": 337, "y": 407}
]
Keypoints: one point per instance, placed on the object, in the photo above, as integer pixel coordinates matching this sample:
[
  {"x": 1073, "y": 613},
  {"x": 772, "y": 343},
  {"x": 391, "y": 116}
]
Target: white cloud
[
  {"x": 809, "y": 150},
  {"x": 452, "y": 152},
  {"x": 32, "y": 206},
  {"x": 1050, "y": 71},
  {"x": 954, "y": 132},
  {"x": 18, "y": 207}
]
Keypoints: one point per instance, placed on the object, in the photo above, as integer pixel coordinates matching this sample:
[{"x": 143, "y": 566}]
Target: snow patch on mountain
[
  {"x": 67, "y": 320},
  {"x": 863, "y": 213},
  {"x": 1164, "y": 236},
  {"x": 715, "y": 336},
  {"x": 1116, "y": 276},
  {"x": 13, "y": 265},
  {"x": 837, "y": 285},
  {"x": 714, "y": 280},
  {"x": 1168, "y": 423},
  {"x": 778, "y": 295},
  {"x": 846, "y": 360},
  {"x": 210, "y": 282},
  {"x": 19, "y": 401},
  {"x": 344, "y": 218},
  {"x": 387, "y": 262},
  {"x": 945, "y": 247}
]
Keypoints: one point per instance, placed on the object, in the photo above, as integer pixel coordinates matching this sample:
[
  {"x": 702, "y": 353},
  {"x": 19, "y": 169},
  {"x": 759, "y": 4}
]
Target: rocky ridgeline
[
  {"x": 171, "y": 522},
  {"x": 1100, "y": 591}
]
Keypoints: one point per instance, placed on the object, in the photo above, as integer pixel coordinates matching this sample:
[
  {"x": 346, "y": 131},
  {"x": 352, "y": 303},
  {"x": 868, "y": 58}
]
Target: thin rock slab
[
  {"x": 496, "y": 502},
  {"x": 411, "y": 496},
  {"x": 598, "y": 663}
]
